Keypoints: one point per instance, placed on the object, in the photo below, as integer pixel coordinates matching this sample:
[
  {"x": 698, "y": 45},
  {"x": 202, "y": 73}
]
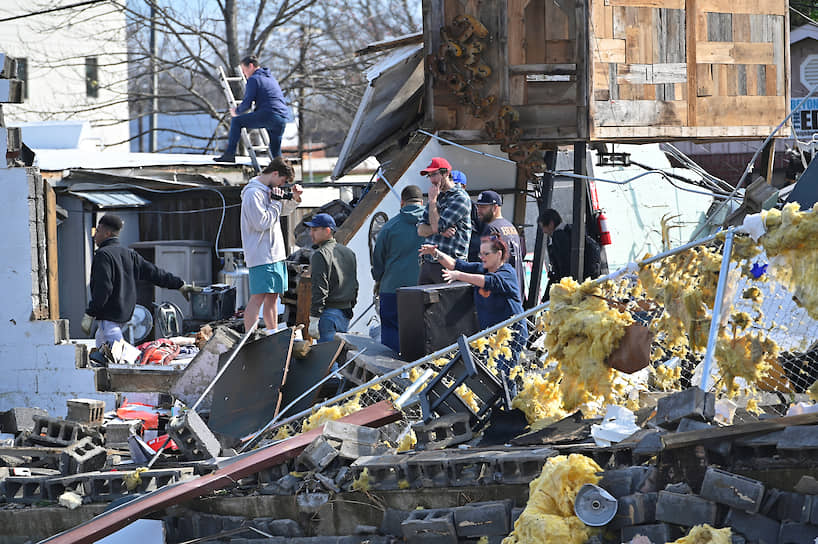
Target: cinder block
[
  {"x": 650, "y": 444},
  {"x": 428, "y": 469},
  {"x": 24, "y": 489},
  {"x": 354, "y": 440},
  {"x": 442, "y": 432},
  {"x": 721, "y": 447},
  {"x": 429, "y": 527},
  {"x": 483, "y": 519},
  {"x": 732, "y": 490},
  {"x": 118, "y": 431},
  {"x": 685, "y": 510},
  {"x": 386, "y": 472},
  {"x": 318, "y": 454},
  {"x": 85, "y": 411},
  {"x": 630, "y": 480},
  {"x": 635, "y": 509},
  {"x": 55, "y": 487},
  {"x": 691, "y": 403},
  {"x": 54, "y": 432},
  {"x": 657, "y": 533},
  {"x": 392, "y": 519},
  {"x": 20, "y": 419},
  {"x": 471, "y": 469},
  {"x": 797, "y": 533},
  {"x": 756, "y": 528},
  {"x": 522, "y": 466},
  {"x": 82, "y": 456},
  {"x": 109, "y": 486},
  {"x": 193, "y": 438}
]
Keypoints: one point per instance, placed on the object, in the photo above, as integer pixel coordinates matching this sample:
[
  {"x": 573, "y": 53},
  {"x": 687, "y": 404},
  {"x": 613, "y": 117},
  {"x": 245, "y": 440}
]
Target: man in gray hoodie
[
  {"x": 261, "y": 208},
  {"x": 395, "y": 260}
]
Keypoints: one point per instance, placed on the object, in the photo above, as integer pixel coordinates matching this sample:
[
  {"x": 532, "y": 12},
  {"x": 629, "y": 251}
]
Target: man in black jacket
[
  {"x": 114, "y": 272},
  {"x": 559, "y": 250}
]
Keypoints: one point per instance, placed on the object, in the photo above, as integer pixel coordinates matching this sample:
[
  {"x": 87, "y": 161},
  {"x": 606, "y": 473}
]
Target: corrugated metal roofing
[{"x": 112, "y": 199}]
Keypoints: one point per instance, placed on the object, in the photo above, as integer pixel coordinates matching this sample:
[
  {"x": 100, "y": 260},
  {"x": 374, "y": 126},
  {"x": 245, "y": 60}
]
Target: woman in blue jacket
[{"x": 496, "y": 293}]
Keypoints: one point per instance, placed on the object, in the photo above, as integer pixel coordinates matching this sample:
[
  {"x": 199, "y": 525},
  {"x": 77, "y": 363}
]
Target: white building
[{"x": 74, "y": 66}]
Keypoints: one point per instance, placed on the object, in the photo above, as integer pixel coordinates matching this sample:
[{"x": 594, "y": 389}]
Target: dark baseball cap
[
  {"x": 321, "y": 220},
  {"x": 490, "y": 197}
]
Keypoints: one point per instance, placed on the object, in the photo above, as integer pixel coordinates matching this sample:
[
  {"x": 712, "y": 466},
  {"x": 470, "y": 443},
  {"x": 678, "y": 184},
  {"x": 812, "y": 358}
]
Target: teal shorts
[{"x": 268, "y": 278}]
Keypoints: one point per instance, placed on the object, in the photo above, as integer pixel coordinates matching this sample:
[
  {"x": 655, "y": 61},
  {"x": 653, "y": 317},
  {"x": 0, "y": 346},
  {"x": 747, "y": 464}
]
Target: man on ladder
[{"x": 270, "y": 112}]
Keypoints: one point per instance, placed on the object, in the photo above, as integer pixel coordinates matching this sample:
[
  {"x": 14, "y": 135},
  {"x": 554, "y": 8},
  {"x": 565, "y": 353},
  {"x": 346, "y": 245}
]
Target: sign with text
[{"x": 805, "y": 119}]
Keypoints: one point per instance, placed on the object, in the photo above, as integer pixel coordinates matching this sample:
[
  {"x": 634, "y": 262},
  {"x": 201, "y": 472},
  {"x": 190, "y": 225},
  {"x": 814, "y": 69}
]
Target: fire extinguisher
[{"x": 604, "y": 231}]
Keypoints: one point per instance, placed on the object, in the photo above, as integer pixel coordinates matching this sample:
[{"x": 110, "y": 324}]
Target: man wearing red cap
[{"x": 446, "y": 222}]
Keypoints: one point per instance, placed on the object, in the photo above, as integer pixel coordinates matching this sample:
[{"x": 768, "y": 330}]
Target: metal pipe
[
  {"x": 391, "y": 187},
  {"x": 442, "y": 139},
  {"x": 715, "y": 320}
]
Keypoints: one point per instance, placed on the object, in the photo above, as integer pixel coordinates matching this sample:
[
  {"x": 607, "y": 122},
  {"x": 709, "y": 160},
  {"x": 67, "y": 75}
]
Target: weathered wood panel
[
  {"x": 635, "y": 113},
  {"x": 737, "y": 110},
  {"x": 551, "y": 92},
  {"x": 516, "y": 31},
  {"x": 771, "y": 7},
  {"x": 735, "y": 53},
  {"x": 652, "y": 73},
  {"x": 669, "y": 4}
]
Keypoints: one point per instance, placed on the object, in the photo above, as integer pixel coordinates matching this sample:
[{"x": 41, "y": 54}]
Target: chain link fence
[{"x": 553, "y": 358}]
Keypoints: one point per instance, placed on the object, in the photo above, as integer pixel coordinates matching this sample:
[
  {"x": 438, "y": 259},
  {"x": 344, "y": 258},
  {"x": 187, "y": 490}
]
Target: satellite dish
[{"x": 139, "y": 326}]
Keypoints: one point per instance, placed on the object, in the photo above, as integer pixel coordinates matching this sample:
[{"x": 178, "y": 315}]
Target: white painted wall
[
  {"x": 56, "y": 45},
  {"x": 36, "y": 371}
]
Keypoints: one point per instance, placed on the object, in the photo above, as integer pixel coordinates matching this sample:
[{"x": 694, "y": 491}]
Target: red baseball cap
[{"x": 436, "y": 164}]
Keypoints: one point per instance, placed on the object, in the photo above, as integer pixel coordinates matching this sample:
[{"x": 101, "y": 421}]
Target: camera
[{"x": 287, "y": 193}]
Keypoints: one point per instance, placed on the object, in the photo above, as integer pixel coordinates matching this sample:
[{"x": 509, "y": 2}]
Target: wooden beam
[
  {"x": 753, "y": 7},
  {"x": 373, "y": 198},
  {"x": 691, "y": 24},
  {"x": 548, "y": 69},
  {"x": 666, "y": 4},
  {"x": 734, "y": 53},
  {"x": 700, "y": 133},
  {"x": 109, "y": 522},
  {"x": 51, "y": 251}
]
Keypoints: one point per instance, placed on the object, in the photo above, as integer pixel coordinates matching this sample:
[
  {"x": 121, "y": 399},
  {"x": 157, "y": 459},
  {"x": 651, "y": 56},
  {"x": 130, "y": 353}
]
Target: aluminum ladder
[{"x": 257, "y": 135}]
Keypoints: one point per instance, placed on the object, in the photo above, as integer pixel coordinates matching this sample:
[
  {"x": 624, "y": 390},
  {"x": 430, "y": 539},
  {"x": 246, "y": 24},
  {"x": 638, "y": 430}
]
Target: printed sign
[{"x": 805, "y": 119}]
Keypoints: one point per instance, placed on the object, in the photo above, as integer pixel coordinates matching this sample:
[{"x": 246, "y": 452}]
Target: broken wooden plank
[
  {"x": 652, "y": 73},
  {"x": 635, "y": 113},
  {"x": 691, "y": 438},
  {"x": 252, "y": 462},
  {"x": 734, "y": 53}
]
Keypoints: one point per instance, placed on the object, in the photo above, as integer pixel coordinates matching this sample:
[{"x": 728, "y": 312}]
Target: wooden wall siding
[{"x": 738, "y": 73}]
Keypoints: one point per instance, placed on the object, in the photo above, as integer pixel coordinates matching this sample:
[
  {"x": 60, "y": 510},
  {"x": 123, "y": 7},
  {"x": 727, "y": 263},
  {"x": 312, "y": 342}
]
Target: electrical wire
[
  {"x": 52, "y": 10},
  {"x": 186, "y": 190}
]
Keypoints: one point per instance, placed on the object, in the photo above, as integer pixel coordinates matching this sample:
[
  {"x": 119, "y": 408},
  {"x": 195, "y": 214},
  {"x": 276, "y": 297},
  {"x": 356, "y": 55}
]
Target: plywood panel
[
  {"x": 669, "y": 4},
  {"x": 635, "y": 113},
  {"x": 773, "y": 7},
  {"x": 734, "y": 53},
  {"x": 559, "y": 52},
  {"x": 610, "y": 50},
  {"x": 741, "y": 110}
]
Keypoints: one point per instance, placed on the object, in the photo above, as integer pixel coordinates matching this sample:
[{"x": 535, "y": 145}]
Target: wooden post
[
  {"x": 51, "y": 251},
  {"x": 303, "y": 302},
  {"x": 578, "y": 227},
  {"x": 691, "y": 10}
]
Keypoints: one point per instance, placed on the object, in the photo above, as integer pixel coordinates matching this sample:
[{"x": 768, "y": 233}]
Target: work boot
[{"x": 225, "y": 158}]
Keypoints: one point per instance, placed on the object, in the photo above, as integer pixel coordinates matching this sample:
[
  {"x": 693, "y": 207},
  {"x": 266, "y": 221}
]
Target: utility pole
[{"x": 154, "y": 124}]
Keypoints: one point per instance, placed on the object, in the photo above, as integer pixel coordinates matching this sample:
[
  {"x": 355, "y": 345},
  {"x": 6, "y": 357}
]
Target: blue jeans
[
  {"x": 272, "y": 122},
  {"x": 332, "y": 320},
  {"x": 389, "y": 321},
  {"x": 108, "y": 332}
]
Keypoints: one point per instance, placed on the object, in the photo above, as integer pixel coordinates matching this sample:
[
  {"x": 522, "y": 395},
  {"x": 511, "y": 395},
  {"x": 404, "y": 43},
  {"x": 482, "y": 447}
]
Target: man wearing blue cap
[
  {"x": 333, "y": 270},
  {"x": 492, "y": 222}
]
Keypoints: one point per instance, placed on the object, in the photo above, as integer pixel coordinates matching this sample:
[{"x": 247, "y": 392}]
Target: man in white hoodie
[{"x": 263, "y": 203}]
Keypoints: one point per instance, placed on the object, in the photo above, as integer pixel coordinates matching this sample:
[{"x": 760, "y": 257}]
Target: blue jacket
[
  {"x": 395, "y": 258},
  {"x": 499, "y": 299},
  {"x": 263, "y": 88}
]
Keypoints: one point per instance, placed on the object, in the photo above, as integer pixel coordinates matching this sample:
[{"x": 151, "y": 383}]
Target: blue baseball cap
[
  {"x": 458, "y": 177},
  {"x": 321, "y": 220}
]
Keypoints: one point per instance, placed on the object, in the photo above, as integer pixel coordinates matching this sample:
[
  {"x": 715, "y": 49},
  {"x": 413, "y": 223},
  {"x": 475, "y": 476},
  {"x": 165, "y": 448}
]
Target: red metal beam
[{"x": 110, "y": 522}]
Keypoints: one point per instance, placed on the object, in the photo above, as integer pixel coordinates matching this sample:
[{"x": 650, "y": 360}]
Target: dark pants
[
  {"x": 430, "y": 273},
  {"x": 272, "y": 122},
  {"x": 389, "y": 321}
]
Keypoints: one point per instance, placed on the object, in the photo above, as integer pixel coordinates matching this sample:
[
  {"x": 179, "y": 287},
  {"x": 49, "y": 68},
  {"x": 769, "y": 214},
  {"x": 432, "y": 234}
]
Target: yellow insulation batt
[
  {"x": 582, "y": 333},
  {"x": 548, "y": 517},
  {"x": 539, "y": 399},
  {"x": 705, "y": 534}
]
